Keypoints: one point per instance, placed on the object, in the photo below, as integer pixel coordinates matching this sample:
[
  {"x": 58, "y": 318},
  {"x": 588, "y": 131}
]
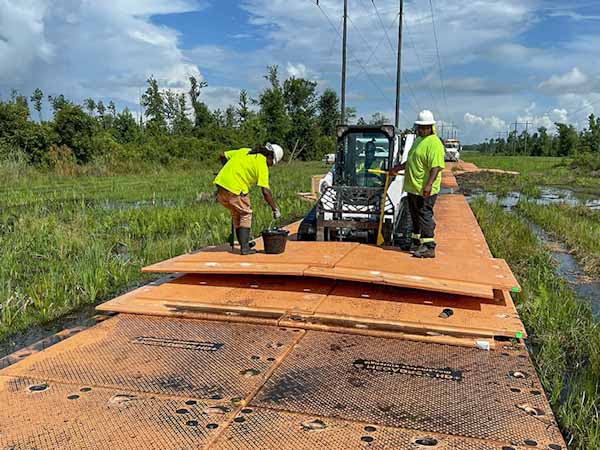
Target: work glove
[{"x": 276, "y": 213}]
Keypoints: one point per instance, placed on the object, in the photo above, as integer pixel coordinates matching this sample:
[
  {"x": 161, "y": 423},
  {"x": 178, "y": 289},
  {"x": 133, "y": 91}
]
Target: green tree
[
  {"x": 36, "y": 98},
  {"x": 90, "y": 105},
  {"x": 125, "y": 127},
  {"x": 243, "y": 110},
  {"x": 101, "y": 112},
  {"x": 202, "y": 115},
  {"x": 272, "y": 108},
  {"x": 75, "y": 129},
  {"x": 300, "y": 97},
  {"x": 329, "y": 112},
  {"x": 58, "y": 102},
  {"x": 154, "y": 106},
  {"x": 378, "y": 119},
  {"x": 567, "y": 139},
  {"x": 182, "y": 125}
]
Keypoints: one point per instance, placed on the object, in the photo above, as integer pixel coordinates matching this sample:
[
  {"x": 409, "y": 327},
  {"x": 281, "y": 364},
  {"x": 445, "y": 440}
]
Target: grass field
[
  {"x": 547, "y": 171},
  {"x": 73, "y": 241}
]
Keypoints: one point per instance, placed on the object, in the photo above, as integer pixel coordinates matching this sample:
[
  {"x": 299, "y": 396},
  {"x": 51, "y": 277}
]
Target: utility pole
[
  {"x": 516, "y": 124},
  {"x": 344, "y": 44},
  {"x": 399, "y": 65}
]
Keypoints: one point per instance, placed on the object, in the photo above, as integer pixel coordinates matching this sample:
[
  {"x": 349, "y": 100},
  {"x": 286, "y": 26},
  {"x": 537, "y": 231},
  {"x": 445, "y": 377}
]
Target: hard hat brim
[{"x": 424, "y": 122}]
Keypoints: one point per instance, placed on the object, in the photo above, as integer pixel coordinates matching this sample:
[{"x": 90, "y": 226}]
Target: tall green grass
[
  {"x": 70, "y": 241},
  {"x": 578, "y": 227},
  {"x": 564, "y": 338}
]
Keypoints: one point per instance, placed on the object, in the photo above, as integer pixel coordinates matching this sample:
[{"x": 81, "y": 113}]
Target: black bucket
[{"x": 274, "y": 240}]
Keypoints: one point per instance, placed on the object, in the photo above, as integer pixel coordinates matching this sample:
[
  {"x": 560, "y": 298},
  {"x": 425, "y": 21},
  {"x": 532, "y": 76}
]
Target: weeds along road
[
  {"x": 564, "y": 338},
  {"x": 67, "y": 242}
]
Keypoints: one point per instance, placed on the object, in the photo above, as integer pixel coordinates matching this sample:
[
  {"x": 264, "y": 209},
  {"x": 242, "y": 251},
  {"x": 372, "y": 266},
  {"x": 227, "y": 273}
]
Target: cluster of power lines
[{"x": 378, "y": 20}]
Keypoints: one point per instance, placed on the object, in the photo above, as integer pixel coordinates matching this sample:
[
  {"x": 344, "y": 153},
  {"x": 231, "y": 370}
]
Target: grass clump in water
[
  {"x": 563, "y": 337},
  {"x": 578, "y": 227}
]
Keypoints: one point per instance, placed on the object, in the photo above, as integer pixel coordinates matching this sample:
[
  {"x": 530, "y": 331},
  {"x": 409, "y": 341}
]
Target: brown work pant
[{"x": 238, "y": 206}]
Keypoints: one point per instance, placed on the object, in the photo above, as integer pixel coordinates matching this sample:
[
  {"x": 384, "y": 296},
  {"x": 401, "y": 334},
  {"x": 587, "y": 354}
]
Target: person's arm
[
  {"x": 268, "y": 196},
  {"x": 433, "y": 173},
  {"x": 397, "y": 168}
]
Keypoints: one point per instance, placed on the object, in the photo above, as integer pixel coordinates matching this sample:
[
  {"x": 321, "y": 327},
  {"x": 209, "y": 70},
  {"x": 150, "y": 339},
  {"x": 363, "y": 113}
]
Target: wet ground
[
  {"x": 548, "y": 196},
  {"x": 567, "y": 266}
]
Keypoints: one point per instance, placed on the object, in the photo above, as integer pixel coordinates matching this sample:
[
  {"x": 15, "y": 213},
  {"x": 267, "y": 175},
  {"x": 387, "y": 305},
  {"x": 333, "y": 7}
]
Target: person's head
[
  {"x": 424, "y": 123},
  {"x": 370, "y": 149},
  {"x": 273, "y": 153}
]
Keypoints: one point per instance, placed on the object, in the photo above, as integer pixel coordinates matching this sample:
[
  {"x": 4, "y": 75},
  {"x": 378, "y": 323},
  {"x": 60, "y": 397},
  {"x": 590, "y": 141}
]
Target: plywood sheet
[
  {"x": 297, "y": 257},
  {"x": 266, "y": 294},
  {"x": 417, "y": 310},
  {"x": 448, "y": 266}
]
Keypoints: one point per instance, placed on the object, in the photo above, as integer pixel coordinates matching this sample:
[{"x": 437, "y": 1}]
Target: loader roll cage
[{"x": 350, "y": 208}]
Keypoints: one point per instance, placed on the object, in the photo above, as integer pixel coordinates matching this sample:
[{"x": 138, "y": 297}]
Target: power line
[
  {"x": 394, "y": 52},
  {"x": 437, "y": 50},
  {"x": 422, "y": 67},
  {"x": 383, "y": 95},
  {"x": 386, "y": 71}
]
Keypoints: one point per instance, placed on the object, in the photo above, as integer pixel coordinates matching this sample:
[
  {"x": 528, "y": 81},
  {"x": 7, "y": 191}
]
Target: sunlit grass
[{"x": 70, "y": 241}]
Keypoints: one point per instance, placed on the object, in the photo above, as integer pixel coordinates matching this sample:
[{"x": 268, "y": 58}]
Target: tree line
[
  {"x": 566, "y": 142},
  {"x": 175, "y": 125}
]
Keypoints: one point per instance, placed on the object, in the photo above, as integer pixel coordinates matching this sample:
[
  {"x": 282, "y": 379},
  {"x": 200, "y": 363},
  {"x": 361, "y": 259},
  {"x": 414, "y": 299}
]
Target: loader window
[{"x": 362, "y": 152}]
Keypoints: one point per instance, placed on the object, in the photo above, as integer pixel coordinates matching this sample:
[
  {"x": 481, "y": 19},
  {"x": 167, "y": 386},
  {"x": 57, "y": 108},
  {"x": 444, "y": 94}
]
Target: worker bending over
[
  {"x": 422, "y": 181},
  {"x": 243, "y": 169}
]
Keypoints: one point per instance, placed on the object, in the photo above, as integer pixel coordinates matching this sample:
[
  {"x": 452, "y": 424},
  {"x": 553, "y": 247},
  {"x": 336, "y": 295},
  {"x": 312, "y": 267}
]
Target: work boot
[
  {"x": 424, "y": 251},
  {"x": 243, "y": 235},
  {"x": 415, "y": 244}
]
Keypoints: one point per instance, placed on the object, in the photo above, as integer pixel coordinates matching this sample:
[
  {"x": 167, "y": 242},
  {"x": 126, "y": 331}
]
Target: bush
[{"x": 587, "y": 164}]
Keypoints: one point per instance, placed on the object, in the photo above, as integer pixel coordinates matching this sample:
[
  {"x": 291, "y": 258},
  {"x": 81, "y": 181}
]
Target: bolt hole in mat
[
  {"x": 428, "y": 387},
  {"x": 272, "y": 429},
  {"x": 102, "y": 418},
  {"x": 190, "y": 358}
]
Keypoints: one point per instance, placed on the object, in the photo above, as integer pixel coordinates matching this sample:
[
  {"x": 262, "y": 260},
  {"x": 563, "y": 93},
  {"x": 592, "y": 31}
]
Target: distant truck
[
  {"x": 452, "y": 150},
  {"x": 329, "y": 158}
]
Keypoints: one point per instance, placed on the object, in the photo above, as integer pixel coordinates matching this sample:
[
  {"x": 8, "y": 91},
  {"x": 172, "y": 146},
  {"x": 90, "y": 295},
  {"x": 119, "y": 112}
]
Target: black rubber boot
[
  {"x": 425, "y": 251},
  {"x": 415, "y": 244},
  {"x": 243, "y": 235}
]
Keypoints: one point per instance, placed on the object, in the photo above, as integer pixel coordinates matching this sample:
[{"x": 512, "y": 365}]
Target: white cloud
[
  {"x": 571, "y": 81},
  {"x": 494, "y": 123},
  {"x": 86, "y": 48},
  {"x": 297, "y": 70}
]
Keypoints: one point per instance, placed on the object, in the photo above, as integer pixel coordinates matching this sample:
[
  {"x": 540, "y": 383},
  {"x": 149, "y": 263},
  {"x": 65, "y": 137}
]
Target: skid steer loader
[{"x": 350, "y": 201}]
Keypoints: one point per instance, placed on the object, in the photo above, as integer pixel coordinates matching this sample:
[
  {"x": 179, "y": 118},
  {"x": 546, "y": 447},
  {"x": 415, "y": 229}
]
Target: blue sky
[{"x": 502, "y": 61}]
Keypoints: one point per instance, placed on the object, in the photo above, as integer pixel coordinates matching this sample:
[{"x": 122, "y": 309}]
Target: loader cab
[{"x": 361, "y": 149}]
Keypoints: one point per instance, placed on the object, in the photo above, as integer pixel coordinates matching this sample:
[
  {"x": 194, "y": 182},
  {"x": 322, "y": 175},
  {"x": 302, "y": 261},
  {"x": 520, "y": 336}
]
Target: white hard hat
[
  {"x": 277, "y": 152},
  {"x": 425, "y": 117}
]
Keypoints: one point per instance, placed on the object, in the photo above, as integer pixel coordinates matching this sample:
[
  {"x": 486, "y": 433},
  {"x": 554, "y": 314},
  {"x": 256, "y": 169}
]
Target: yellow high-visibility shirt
[
  {"x": 242, "y": 171},
  {"x": 425, "y": 154}
]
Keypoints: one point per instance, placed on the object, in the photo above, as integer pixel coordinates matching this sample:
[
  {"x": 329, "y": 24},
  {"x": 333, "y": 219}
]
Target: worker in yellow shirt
[
  {"x": 243, "y": 169},
  {"x": 365, "y": 178},
  {"x": 422, "y": 182}
]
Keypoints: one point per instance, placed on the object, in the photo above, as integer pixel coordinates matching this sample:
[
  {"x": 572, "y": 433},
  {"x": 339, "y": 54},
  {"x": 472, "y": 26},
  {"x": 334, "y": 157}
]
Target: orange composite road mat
[
  {"x": 463, "y": 265},
  {"x": 139, "y": 382},
  {"x": 312, "y": 301}
]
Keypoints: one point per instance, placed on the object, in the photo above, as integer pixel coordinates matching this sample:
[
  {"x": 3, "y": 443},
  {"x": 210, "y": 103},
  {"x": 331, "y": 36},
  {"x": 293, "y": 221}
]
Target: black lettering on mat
[
  {"x": 178, "y": 343},
  {"x": 408, "y": 369}
]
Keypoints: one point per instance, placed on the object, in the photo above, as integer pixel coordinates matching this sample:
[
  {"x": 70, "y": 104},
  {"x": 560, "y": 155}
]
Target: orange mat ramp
[{"x": 463, "y": 265}]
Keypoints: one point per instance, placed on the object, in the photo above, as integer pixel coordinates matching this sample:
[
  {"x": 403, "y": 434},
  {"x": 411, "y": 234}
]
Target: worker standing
[
  {"x": 243, "y": 169},
  {"x": 422, "y": 182}
]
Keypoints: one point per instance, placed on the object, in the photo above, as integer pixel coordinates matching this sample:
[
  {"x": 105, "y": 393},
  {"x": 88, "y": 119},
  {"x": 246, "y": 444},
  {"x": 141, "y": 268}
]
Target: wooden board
[
  {"x": 463, "y": 264},
  {"x": 323, "y": 301}
]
